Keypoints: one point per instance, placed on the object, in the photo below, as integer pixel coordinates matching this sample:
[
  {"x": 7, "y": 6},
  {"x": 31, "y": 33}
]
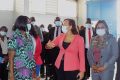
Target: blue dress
[{"x": 23, "y": 59}]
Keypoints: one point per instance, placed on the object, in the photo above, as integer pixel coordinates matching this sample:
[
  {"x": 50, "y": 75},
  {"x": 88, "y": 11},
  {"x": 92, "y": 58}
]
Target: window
[
  {"x": 37, "y": 6},
  {"x": 7, "y": 5},
  {"x": 19, "y": 6},
  {"x": 67, "y": 8},
  {"x": 52, "y": 6}
]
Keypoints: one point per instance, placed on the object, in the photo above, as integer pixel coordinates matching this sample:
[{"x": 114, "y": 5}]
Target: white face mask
[
  {"x": 42, "y": 29},
  {"x": 58, "y": 23},
  {"x": 64, "y": 29},
  {"x": 2, "y": 33},
  {"x": 33, "y": 23},
  {"x": 29, "y": 27},
  {"x": 88, "y": 25},
  {"x": 101, "y": 32}
]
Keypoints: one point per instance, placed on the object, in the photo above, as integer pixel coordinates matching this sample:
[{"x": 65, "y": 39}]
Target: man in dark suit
[
  {"x": 53, "y": 53},
  {"x": 87, "y": 32}
]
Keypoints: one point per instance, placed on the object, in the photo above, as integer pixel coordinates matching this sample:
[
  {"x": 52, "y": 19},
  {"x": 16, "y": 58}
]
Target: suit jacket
[
  {"x": 74, "y": 58},
  {"x": 52, "y": 53},
  {"x": 109, "y": 54},
  {"x": 82, "y": 33},
  {"x": 51, "y": 33},
  {"x": 118, "y": 63}
]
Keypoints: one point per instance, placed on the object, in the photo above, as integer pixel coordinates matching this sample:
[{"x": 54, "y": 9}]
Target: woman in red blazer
[
  {"x": 70, "y": 62},
  {"x": 37, "y": 50}
]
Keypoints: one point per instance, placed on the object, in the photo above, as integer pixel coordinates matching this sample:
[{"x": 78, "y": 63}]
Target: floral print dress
[{"x": 23, "y": 59}]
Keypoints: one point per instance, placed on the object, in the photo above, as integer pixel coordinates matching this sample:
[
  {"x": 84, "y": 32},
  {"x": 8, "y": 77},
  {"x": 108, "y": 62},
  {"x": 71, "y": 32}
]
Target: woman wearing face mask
[
  {"x": 3, "y": 53},
  {"x": 37, "y": 49},
  {"x": 20, "y": 51},
  {"x": 71, "y": 58},
  {"x": 102, "y": 53}
]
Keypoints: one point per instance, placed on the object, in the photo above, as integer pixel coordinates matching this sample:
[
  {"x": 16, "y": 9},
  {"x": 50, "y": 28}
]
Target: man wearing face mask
[
  {"x": 56, "y": 31},
  {"x": 87, "y": 34},
  {"x": 103, "y": 53},
  {"x": 3, "y": 53},
  {"x": 53, "y": 53}
]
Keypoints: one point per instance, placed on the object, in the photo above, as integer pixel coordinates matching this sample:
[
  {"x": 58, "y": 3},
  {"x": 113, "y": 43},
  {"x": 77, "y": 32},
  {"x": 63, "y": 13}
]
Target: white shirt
[{"x": 4, "y": 45}]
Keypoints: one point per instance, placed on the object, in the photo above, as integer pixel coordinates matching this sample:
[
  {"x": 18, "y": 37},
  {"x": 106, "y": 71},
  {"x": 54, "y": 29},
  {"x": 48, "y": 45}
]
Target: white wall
[
  {"x": 118, "y": 18},
  {"x": 6, "y": 19},
  {"x": 82, "y": 12}
]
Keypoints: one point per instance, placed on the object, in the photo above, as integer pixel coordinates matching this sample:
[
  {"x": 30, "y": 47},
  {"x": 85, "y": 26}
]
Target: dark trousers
[
  {"x": 87, "y": 67},
  {"x": 66, "y": 75},
  {"x": 3, "y": 71}
]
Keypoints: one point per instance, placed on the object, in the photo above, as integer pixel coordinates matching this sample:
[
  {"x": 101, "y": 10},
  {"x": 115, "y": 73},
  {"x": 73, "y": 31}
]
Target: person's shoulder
[
  {"x": 79, "y": 37},
  {"x": 111, "y": 37},
  {"x": 62, "y": 34}
]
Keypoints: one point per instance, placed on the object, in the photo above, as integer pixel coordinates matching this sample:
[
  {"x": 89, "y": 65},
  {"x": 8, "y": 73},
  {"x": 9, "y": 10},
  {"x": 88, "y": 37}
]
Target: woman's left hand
[
  {"x": 101, "y": 69},
  {"x": 80, "y": 75}
]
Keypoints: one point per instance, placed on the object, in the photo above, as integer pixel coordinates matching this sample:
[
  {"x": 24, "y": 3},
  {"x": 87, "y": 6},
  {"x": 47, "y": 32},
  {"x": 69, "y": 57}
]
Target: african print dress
[{"x": 23, "y": 59}]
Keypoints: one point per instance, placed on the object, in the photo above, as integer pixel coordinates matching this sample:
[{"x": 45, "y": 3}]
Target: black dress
[{"x": 66, "y": 75}]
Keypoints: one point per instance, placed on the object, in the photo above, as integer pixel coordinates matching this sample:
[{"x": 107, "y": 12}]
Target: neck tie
[{"x": 89, "y": 34}]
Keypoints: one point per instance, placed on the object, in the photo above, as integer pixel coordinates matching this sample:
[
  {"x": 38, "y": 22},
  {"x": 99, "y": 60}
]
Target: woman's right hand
[
  {"x": 94, "y": 68},
  {"x": 50, "y": 45},
  {"x": 11, "y": 78}
]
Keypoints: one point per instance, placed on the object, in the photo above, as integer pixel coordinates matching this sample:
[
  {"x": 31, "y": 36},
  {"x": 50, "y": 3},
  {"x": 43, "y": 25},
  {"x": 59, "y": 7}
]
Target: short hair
[
  {"x": 57, "y": 19},
  {"x": 32, "y": 19},
  {"x": 5, "y": 28},
  {"x": 42, "y": 26},
  {"x": 49, "y": 26},
  {"x": 88, "y": 21}
]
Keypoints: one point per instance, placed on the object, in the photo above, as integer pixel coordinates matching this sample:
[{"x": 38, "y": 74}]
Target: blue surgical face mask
[
  {"x": 3, "y": 33},
  {"x": 58, "y": 23},
  {"x": 29, "y": 27}
]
